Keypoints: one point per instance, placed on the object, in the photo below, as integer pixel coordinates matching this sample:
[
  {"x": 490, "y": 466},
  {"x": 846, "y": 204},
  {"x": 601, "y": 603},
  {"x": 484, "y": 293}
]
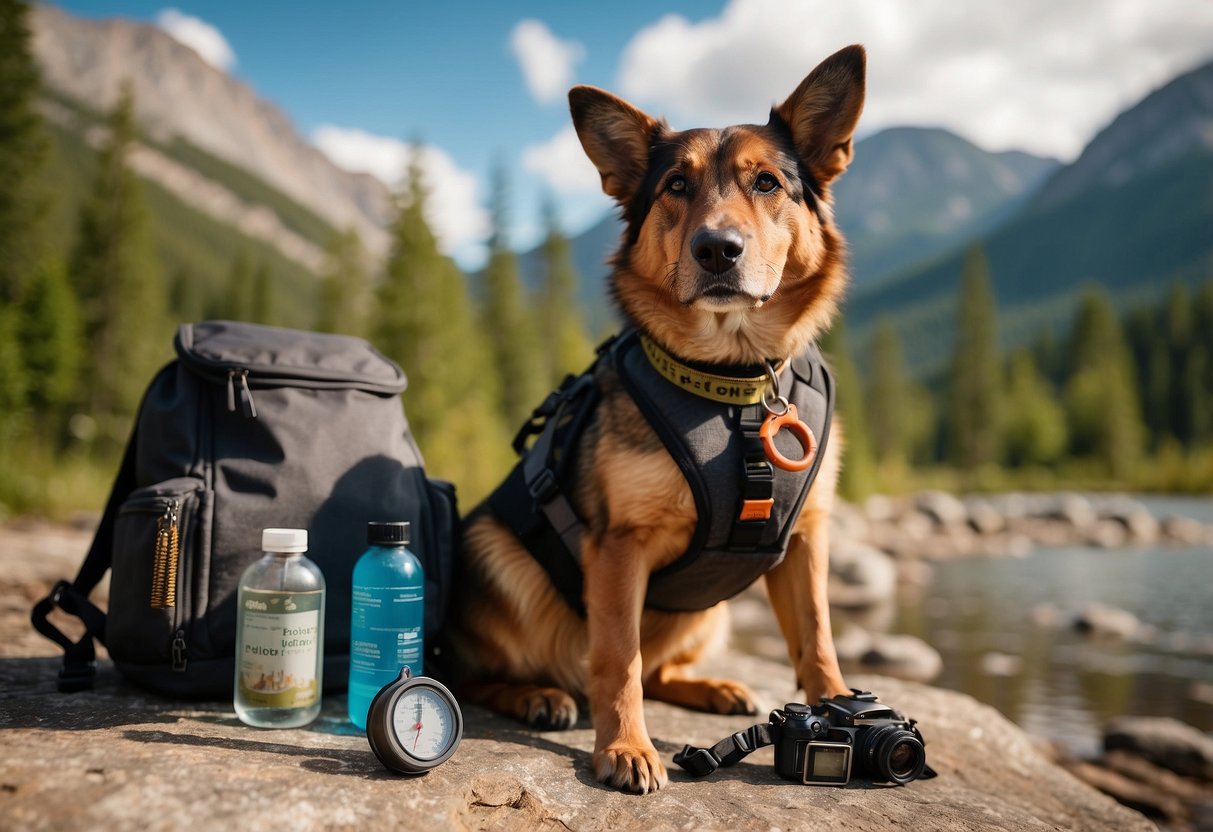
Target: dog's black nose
[{"x": 717, "y": 249}]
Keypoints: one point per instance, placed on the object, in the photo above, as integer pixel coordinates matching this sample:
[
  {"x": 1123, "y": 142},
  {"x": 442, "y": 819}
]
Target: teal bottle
[{"x": 387, "y": 616}]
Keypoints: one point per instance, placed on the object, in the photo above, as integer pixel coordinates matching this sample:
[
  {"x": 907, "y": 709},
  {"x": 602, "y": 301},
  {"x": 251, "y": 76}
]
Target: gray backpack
[{"x": 251, "y": 427}]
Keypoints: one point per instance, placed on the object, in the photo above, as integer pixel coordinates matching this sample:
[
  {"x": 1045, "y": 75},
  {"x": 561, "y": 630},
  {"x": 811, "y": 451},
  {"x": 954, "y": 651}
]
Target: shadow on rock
[{"x": 361, "y": 763}]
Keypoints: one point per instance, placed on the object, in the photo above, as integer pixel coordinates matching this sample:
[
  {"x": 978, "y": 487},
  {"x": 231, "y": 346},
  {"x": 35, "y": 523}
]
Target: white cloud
[
  {"x": 547, "y": 61},
  {"x": 1038, "y": 75},
  {"x": 562, "y": 164},
  {"x": 454, "y": 211},
  {"x": 200, "y": 36}
]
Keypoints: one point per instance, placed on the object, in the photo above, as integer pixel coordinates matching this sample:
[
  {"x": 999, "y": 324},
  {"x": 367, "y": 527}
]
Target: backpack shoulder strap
[{"x": 80, "y": 657}]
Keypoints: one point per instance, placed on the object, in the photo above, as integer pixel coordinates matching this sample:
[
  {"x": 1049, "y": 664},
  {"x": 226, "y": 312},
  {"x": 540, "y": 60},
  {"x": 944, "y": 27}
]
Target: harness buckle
[
  {"x": 756, "y": 509},
  {"x": 544, "y": 486}
]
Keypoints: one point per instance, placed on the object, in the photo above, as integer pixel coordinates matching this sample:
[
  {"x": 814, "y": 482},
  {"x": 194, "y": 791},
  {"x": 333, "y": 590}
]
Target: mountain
[
  {"x": 1175, "y": 121},
  {"x": 911, "y": 193},
  {"x": 1133, "y": 213},
  {"x": 914, "y": 192},
  {"x": 182, "y": 99}
]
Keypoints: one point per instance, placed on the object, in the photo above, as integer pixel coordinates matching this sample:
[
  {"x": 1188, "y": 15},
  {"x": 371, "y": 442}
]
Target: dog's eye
[
  {"x": 765, "y": 183},
  {"x": 677, "y": 184}
]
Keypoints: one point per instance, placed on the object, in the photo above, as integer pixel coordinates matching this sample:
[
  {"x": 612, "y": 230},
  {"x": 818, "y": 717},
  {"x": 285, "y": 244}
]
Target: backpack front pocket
[{"x": 150, "y": 606}]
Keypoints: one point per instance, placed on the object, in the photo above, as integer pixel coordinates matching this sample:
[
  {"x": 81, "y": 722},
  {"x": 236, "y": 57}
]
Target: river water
[{"x": 1002, "y": 627}]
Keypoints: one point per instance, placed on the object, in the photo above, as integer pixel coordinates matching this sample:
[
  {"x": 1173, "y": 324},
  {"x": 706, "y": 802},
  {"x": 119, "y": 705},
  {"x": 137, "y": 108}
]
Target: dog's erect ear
[
  {"x": 615, "y": 136},
  {"x": 824, "y": 110}
]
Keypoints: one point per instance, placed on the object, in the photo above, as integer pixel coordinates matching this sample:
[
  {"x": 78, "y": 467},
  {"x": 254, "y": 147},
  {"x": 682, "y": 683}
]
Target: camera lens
[{"x": 895, "y": 754}]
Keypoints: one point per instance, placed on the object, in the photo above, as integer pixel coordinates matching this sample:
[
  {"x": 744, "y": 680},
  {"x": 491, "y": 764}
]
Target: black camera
[
  {"x": 826, "y": 744},
  {"x": 846, "y": 736}
]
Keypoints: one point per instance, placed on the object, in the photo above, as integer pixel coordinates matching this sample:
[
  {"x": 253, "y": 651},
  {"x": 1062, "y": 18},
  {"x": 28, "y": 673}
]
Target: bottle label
[
  {"x": 386, "y": 633},
  {"x": 278, "y": 647}
]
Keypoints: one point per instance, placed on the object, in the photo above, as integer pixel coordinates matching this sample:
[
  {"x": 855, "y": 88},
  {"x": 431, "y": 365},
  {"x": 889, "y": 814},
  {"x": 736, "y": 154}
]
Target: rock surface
[{"x": 117, "y": 758}]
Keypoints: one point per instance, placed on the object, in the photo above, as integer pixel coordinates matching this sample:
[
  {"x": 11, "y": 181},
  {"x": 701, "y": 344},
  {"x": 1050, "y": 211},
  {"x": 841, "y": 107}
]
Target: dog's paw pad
[
  {"x": 729, "y": 697},
  {"x": 550, "y": 709},
  {"x": 629, "y": 768}
]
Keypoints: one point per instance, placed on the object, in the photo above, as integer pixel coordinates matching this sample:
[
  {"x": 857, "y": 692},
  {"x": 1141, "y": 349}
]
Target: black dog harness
[{"x": 710, "y": 419}]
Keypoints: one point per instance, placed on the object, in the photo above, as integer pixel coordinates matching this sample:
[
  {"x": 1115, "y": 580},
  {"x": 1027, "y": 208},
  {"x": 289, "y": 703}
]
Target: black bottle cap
[{"x": 388, "y": 534}]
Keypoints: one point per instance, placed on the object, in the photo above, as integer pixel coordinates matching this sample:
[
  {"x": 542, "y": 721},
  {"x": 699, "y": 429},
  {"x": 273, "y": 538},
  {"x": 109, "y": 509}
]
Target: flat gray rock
[
  {"x": 117, "y": 758},
  {"x": 120, "y": 759}
]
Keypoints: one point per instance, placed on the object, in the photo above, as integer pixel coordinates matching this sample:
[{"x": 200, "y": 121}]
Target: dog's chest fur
[{"x": 628, "y": 481}]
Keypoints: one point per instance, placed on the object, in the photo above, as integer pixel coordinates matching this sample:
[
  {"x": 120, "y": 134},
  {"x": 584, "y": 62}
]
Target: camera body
[{"x": 844, "y": 737}]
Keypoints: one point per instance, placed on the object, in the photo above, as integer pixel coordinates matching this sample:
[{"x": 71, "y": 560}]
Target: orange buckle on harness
[{"x": 756, "y": 509}]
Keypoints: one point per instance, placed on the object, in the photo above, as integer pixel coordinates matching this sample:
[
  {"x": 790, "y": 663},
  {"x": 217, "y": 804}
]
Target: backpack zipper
[
  {"x": 165, "y": 556},
  {"x": 180, "y": 652},
  {"x": 247, "y": 406}
]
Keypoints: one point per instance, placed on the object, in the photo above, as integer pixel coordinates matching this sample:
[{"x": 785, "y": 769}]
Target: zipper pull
[
  {"x": 163, "y": 553},
  {"x": 174, "y": 554},
  {"x": 246, "y": 397},
  {"x": 179, "y": 658},
  {"x": 231, "y": 391}
]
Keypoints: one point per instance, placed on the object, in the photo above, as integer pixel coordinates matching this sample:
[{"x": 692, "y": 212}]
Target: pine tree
[
  {"x": 1034, "y": 424},
  {"x": 511, "y": 332},
  {"x": 236, "y": 303},
  {"x": 1177, "y": 326},
  {"x": 424, "y": 320},
  {"x": 1147, "y": 342},
  {"x": 23, "y": 148},
  {"x": 1200, "y": 380},
  {"x": 566, "y": 346},
  {"x": 120, "y": 286},
  {"x": 187, "y": 299},
  {"x": 858, "y": 477},
  {"x": 13, "y": 380},
  {"x": 344, "y": 287},
  {"x": 975, "y": 378},
  {"x": 887, "y": 395},
  {"x": 261, "y": 301},
  {"x": 52, "y": 341},
  {"x": 1103, "y": 407}
]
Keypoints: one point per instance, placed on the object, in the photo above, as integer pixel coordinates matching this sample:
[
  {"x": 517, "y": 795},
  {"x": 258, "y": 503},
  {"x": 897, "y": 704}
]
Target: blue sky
[{"x": 360, "y": 79}]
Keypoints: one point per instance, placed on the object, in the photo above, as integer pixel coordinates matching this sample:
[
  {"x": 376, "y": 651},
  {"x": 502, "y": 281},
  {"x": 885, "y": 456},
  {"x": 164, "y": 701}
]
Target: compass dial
[
  {"x": 414, "y": 724},
  {"x": 423, "y": 723}
]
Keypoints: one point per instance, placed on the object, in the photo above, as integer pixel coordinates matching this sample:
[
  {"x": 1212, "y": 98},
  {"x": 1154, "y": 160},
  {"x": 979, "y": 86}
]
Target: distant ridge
[
  {"x": 1134, "y": 213},
  {"x": 178, "y": 94}
]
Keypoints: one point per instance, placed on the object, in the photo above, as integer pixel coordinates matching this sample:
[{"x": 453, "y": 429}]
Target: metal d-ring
[{"x": 771, "y": 396}]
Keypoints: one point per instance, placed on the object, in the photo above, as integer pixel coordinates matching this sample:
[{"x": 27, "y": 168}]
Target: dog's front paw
[{"x": 630, "y": 768}]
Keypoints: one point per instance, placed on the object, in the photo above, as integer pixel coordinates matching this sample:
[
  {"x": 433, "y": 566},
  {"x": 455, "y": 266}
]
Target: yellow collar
[{"x": 718, "y": 388}]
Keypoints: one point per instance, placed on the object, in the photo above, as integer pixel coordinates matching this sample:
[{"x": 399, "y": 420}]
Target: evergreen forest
[{"x": 98, "y": 266}]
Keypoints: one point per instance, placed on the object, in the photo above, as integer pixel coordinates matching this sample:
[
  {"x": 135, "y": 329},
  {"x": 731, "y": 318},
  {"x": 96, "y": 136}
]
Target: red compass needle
[{"x": 416, "y": 736}]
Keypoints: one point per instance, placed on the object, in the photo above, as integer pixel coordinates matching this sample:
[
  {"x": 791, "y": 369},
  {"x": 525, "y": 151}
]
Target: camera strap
[{"x": 703, "y": 761}]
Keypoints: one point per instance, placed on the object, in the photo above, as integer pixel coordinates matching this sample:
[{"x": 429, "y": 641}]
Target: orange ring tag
[{"x": 802, "y": 432}]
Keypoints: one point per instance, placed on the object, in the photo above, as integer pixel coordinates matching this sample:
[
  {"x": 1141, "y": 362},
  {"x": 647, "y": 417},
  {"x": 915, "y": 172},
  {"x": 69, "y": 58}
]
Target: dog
[{"x": 729, "y": 257}]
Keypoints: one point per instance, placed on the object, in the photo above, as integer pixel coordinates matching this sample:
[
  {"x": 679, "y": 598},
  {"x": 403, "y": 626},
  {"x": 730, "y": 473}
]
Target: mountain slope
[
  {"x": 914, "y": 192},
  {"x": 1134, "y": 233},
  {"x": 181, "y": 97},
  {"x": 1174, "y": 121}
]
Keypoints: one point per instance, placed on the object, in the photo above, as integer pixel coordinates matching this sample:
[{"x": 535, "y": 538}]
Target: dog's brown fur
[{"x": 517, "y": 645}]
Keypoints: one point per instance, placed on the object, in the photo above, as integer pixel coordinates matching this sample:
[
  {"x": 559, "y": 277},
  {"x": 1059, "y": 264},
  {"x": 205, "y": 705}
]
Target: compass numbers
[{"x": 423, "y": 723}]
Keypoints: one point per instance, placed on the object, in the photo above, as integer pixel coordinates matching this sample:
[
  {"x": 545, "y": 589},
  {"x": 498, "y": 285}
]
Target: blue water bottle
[{"x": 387, "y": 615}]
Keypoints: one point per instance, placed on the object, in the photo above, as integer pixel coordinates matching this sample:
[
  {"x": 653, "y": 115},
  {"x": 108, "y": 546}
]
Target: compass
[{"x": 414, "y": 724}]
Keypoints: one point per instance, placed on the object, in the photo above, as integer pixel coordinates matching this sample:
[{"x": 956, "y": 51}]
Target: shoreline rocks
[{"x": 935, "y": 525}]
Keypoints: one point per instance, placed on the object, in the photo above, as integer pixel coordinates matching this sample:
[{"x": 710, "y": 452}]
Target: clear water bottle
[
  {"x": 387, "y": 615},
  {"x": 280, "y": 634}
]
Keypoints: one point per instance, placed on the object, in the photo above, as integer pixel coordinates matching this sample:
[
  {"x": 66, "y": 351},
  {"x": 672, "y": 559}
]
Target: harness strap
[{"x": 757, "y": 484}]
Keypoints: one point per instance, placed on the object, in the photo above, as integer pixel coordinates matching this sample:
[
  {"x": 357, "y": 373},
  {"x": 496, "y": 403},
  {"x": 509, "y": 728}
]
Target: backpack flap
[{"x": 272, "y": 356}]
